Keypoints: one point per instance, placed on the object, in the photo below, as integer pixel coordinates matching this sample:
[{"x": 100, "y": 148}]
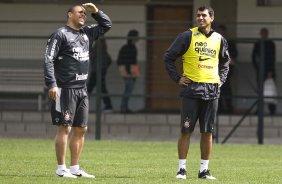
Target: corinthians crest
[
  {"x": 67, "y": 116},
  {"x": 186, "y": 123}
]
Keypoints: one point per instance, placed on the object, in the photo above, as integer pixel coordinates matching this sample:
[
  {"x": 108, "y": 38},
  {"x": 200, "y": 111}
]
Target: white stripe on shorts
[{"x": 58, "y": 104}]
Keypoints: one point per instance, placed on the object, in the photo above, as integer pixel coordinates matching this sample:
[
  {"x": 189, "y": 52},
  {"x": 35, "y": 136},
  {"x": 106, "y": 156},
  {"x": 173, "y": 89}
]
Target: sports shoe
[
  {"x": 205, "y": 174},
  {"x": 181, "y": 174},
  {"x": 64, "y": 173},
  {"x": 82, "y": 173}
]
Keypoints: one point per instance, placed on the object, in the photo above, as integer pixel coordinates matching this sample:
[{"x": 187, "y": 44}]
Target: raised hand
[{"x": 90, "y": 7}]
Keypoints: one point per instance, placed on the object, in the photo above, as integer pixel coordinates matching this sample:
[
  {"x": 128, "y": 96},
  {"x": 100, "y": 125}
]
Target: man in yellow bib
[{"x": 205, "y": 67}]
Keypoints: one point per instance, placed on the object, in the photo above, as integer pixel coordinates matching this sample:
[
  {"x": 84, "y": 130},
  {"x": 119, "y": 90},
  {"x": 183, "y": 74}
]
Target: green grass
[{"x": 121, "y": 162}]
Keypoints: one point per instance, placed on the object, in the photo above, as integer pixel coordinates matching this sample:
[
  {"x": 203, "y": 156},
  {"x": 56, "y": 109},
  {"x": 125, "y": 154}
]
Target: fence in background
[{"x": 22, "y": 86}]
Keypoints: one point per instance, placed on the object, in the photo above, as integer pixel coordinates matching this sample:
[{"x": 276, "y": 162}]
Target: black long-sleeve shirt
[
  {"x": 269, "y": 56},
  {"x": 127, "y": 56},
  {"x": 204, "y": 91},
  {"x": 67, "y": 53}
]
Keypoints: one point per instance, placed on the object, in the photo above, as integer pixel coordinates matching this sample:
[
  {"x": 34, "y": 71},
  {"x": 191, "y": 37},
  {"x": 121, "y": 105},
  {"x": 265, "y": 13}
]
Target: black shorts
[
  {"x": 74, "y": 107},
  {"x": 194, "y": 109}
]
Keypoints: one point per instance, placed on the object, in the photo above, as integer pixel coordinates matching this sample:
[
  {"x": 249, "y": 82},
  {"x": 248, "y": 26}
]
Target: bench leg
[{"x": 39, "y": 102}]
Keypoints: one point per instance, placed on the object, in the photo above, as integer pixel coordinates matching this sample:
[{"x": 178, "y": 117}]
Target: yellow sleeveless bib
[{"x": 200, "y": 62}]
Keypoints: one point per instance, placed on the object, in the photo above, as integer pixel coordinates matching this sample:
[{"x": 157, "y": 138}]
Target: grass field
[{"x": 121, "y": 162}]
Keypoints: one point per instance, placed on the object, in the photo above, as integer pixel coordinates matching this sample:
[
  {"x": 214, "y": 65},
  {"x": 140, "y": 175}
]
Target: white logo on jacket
[
  {"x": 81, "y": 77},
  {"x": 80, "y": 55}
]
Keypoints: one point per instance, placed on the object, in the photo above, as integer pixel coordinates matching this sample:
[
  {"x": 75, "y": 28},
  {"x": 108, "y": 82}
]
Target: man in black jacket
[
  {"x": 66, "y": 71},
  {"x": 269, "y": 60},
  {"x": 128, "y": 67},
  {"x": 205, "y": 61}
]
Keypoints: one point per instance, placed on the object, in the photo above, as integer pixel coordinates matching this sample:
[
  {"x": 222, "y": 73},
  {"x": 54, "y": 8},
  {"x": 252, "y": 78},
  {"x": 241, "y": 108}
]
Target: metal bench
[{"x": 22, "y": 83}]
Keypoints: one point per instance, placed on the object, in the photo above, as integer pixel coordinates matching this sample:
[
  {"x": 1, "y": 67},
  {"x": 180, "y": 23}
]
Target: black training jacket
[{"x": 67, "y": 53}]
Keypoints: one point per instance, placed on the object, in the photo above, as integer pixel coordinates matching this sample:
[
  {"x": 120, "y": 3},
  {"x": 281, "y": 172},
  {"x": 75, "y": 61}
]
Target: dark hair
[
  {"x": 131, "y": 34},
  {"x": 264, "y": 32},
  {"x": 210, "y": 10},
  {"x": 264, "y": 29}
]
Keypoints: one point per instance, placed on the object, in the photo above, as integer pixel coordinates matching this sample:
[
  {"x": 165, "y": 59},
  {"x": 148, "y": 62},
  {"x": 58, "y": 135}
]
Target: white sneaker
[
  {"x": 64, "y": 173},
  {"x": 82, "y": 173},
  {"x": 205, "y": 174},
  {"x": 181, "y": 174}
]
